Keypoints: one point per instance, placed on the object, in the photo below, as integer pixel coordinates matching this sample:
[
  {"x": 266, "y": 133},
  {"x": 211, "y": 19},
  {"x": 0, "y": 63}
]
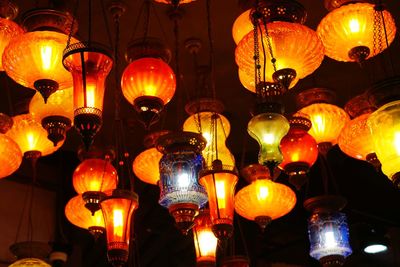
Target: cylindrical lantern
[{"x": 205, "y": 242}]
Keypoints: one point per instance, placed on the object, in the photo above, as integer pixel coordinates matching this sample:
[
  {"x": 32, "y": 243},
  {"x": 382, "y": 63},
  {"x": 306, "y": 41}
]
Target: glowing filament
[
  {"x": 269, "y": 138},
  {"x": 220, "y": 188},
  {"x": 90, "y": 95},
  {"x": 354, "y": 25},
  {"x": 183, "y": 181},
  {"x": 31, "y": 140},
  {"x": 46, "y": 53},
  {"x": 118, "y": 220},
  {"x": 207, "y": 242},
  {"x": 330, "y": 240}
]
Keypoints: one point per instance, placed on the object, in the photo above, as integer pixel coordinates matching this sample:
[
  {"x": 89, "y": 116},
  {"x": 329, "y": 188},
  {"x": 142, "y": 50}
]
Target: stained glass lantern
[
  {"x": 205, "y": 242},
  {"x": 10, "y": 153},
  {"x": 351, "y": 28},
  {"x": 179, "y": 167},
  {"x": 34, "y": 59},
  {"x": 118, "y": 208},
  {"x": 328, "y": 230}
]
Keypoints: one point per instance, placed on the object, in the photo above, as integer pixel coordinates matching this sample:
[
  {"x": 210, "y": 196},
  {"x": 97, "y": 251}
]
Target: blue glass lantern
[
  {"x": 328, "y": 230},
  {"x": 180, "y": 191}
]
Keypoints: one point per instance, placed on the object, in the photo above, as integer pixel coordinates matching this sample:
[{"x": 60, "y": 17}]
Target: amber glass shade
[
  {"x": 352, "y": 25},
  {"x": 30, "y": 135},
  {"x": 8, "y": 30},
  {"x": 285, "y": 36},
  {"x": 78, "y": 215},
  {"x": 96, "y": 175},
  {"x": 145, "y": 166},
  {"x": 35, "y": 56},
  {"x": 327, "y": 121},
  {"x": 203, "y": 123},
  {"x": 384, "y": 124},
  {"x": 205, "y": 242},
  {"x": 10, "y": 156},
  {"x": 30, "y": 262},
  {"x": 242, "y": 26},
  {"x": 264, "y": 198},
  {"x": 148, "y": 77}
]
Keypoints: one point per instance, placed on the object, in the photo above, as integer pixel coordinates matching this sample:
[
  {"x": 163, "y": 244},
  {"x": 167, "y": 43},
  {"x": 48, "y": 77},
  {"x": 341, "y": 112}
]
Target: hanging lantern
[
  {"x": 77, "y": 214},
  {"x": 89, "y": 65},
  {"x": 145, "y": 165},
  {"x": 10, "y": 153},
  {"x": 30, "y": 254},
  {"x": 384, "y": 124},
  {"x": 327, "y": 119},
  {"x": 352, "y": 31},
  {"x": 205, "y": 242},
  {"x": 118, "y": 209},
  {"x": 33, "y": 59},
  {"x": 56, "y": 115},
  {"x": 30, "y": 136},
  {"x": 299, "y": 150},
  {"x": 148, "y": 82},
  {"x": 328, "y": 230},
  {"x": 263, "y": 200},
  {"x": 179, "y": 167}
]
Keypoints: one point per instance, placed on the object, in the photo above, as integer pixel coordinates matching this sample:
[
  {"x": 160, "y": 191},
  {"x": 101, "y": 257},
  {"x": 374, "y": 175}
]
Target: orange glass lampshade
[
  {"x": 205, "y": 242},
  {"x": 78, "y": 215},
  {"x": 242, "y": 26},
  {"x": 10, "y": 156},
  {"x": 30, "y": 135},
  {"x": 304, "y": 59},
  {"x": 351, "y": 26},
  {"x": 8, "y": 30},
  {"x": 118, "y": 208},
  {"x": 204, "y": 123},
  {"x": 145, "y": 165}
]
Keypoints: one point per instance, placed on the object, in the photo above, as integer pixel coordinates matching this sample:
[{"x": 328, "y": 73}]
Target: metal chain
[
  {"x": 257, "y": 66},
  {"x": 71, "y": 29},
  {"x": 269, "y": 43},
  {"x": 377, "y": 33}
]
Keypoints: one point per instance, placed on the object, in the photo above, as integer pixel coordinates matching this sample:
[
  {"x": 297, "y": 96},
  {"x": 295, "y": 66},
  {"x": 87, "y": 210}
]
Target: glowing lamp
[
  {"x": 78, "y": 215},
  {"x": 34, "y": 59},
  {"x": 205, "y": 242},
  {"x": 179, "y": 167},
  {"x": 349, "y": 32},
  {"x": 263, "y": 200},
  {"x": 30, "y": 262},
  {"x": 10, "y": 153},
  {"x": 242, "y": 26},
  {"x": 56, "y": 115},
  {"x": 89, "y": 65},
  {"x": 118, "y": 208},
  {"x": 299, "y": 150},
  {"x": 384, "y": 124},
  {"x": 328, "y": 230},
  {"x": 30, "y": 254}
]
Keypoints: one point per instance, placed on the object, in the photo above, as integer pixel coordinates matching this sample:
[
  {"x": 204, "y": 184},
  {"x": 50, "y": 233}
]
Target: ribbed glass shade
[
  {"x": 242, "y": 26},
  {"x": 10, "y": 156},
  {"x": 8, "y": 30},
  {"x": 37, "y": 55},
  {"x": 352, "y": 25},
  {"x": 96, "y": 175},
  {"x": 384, "y": 124},
  {"x": 329, "y": 235},
  {"x": 30, "y": 262},
  {"x": 78, "y": 215},
  {"x": 145, "y": 165},
  {"x": 30, "y": 135},
  {"x": 285, "y": 37},
  {"x": 327, "y": 121},
  {"x": 150, "y": 77},
  {"x": 203, "y": 123},
  {"x": 205, "y": 242},
  {"x": 264, "y": 198}
]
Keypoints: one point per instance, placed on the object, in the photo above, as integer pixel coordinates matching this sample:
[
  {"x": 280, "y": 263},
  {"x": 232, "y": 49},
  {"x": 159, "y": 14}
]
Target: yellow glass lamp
[
  {"x": 205, "y": 242},
  {"x": 384, "y": 124},
  {"x": 242, "y": 26},
  {"x": 30, "y": 262},
  {"x": 348, "y": 31},
  {"x": 34, "y": 59},
  {"x": 263, "y": 200},
  {"x": 10, "y": 153}
]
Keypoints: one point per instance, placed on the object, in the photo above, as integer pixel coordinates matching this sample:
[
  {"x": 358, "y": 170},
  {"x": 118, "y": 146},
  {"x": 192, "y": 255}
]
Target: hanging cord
[
  {"x": 211, "y": 47},
  {"x": 269, "y": 43},
  {"x": 137, "y": 21},
  {"x": 71, "y": 28},
  {"x": 327, "y": 175},
  {"x": 146, "y": 26},
  {"x": 264, "y": 54},
  {"x": 108, "y": 31},
  {"x": 90, "y": 22}
]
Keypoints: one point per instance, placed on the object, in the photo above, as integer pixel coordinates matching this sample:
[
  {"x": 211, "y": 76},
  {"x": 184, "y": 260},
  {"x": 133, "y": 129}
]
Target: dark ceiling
[{"x": 371, "y": 197}]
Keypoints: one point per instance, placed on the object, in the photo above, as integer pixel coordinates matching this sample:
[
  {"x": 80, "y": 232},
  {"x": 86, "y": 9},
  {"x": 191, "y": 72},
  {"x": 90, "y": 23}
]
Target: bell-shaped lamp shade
[
  {"x": 268, "y": 129},
  {"x": 30, "y": 262},
  {"x": 118, "y": 208},
  {"x": 384, "y": 124},
  {"x": 145, "y": 166},
  {"x": 30, "y": 136},
  {"x": 56, "y": 115},
  {"x": 10, "y": 156},
  {"x": 209, "y": 123},
  {"x": 205, "y": 242},
  {"x": 349, "y": 32},
  {"x": 242, "y": 26},
  {"x": 304, "y": 59},
  {"x": 78, "y": 215},
  {"x": 8, "y": 30}
]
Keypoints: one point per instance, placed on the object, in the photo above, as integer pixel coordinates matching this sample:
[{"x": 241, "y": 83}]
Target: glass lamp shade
[
  {"x": 145, "y": 166},
  {"x": 350, "y": 26},
  {"x": 78, "y": 215},
  {"x": 203, "y": 123},
  {"x": 30, "y": 262},
  {"x": 327, "y": 121},
  {"x": 30, "y": 136},
  {"x": 304, "y": 59},
  {"x": 10, "y": 156},
  {"x": 242, "y": 26},
  {"x": 268, "y": 129},
  {"x": 384, "y": 124},
  {"x": 8, "y": 30},
  {"x": 205, "y": 242},
  {"x": 118, "y": 208}
]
